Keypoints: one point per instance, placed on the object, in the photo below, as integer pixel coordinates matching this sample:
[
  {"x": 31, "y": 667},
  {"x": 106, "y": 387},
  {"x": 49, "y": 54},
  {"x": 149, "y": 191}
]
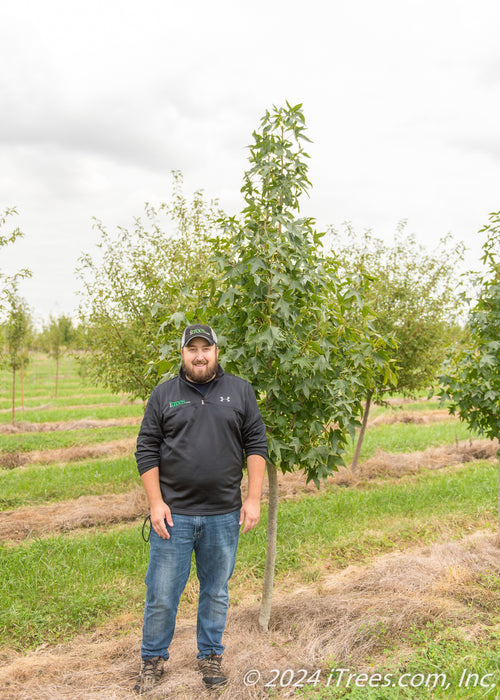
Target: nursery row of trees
[
  {"x": 393, "y": 309},
  {"x": 19, "y": 336},
  {"x": 165, "y": 262},
  {"x": 321, "y": 325}
]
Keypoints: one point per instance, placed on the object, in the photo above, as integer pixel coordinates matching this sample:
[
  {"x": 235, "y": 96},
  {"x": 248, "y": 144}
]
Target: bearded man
[{"x": 197, "y": 431}]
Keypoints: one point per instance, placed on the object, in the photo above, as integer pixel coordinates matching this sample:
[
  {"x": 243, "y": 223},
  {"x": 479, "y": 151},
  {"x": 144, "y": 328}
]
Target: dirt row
[
  {"x": 116, "y": 448},
  {"x": 417, "y": 417},
  {"x": 11, "y": 460},
  {"x": 91, "y": 511},
  {"x": 352, "y": 616}
]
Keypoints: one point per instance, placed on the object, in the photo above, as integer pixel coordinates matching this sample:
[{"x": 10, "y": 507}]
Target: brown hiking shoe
[
  {"x": 151, "y": 672},
  {"x": 211, "y": 668}
]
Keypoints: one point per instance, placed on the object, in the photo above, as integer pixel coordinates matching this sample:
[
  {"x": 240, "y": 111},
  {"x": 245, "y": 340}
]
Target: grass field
[{"x": 392, "y": 576}]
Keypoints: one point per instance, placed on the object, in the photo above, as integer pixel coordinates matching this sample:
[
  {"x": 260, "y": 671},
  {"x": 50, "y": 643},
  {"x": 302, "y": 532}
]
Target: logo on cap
[{"x": 198, "y": 330}]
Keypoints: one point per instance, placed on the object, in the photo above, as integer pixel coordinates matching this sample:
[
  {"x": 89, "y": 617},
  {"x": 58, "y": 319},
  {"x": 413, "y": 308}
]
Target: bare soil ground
[{"x": 350, "y": 617}]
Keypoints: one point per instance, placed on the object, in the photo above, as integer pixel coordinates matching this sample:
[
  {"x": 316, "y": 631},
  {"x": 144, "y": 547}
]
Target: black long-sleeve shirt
[{"x": 199, "y": 442}]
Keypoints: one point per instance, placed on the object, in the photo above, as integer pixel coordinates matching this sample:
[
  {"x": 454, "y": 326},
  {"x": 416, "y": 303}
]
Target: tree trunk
[
  {"x": 272, "y": 529},
  {"x": 364, "y": 422},
  {"x": 22, "y": 385},
  {"x": 57, "y": 374},
  {"x": 13, "y": 396},
  {"x": 498, "y": 533}
]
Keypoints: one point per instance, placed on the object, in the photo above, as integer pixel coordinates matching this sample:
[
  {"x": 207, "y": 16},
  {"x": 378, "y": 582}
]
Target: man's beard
[{"x": 201, "y": 377}]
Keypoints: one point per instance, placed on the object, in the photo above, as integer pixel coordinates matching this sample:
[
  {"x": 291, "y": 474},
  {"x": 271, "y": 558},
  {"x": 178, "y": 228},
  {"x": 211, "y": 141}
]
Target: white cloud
[{"x": 100, "y": 100}]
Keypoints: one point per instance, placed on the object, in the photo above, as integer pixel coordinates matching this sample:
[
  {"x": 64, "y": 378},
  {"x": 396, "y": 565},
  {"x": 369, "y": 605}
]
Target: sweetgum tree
[
  {"x": 471, "y": 378},
  {"x": 283, "y": 319}
]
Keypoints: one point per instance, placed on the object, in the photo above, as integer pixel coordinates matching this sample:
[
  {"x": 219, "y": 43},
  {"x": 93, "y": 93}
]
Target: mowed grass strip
[
  {"x": 75, "y": 397},
  {"x": 348, "y": 526},
  {"x": 20, "y": 481},
  {"x": 28, "y": 442},
  {"x": 36, "y": 485},
  {"x": 56, "y": 415},
  {"x": 39, "y": 385},
  {"x": 40, "y": 374},
  {"x": 55, "y": 587},
  {"x": 408, "y": 437},
  {"x": 417, "y": 405}
]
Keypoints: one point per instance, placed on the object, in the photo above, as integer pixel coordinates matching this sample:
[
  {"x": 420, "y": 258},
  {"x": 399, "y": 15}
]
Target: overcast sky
[{"x": 100, "y": 100}]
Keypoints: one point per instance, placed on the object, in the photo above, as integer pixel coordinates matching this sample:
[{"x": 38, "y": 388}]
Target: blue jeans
[{"x": 214, "y": 540}]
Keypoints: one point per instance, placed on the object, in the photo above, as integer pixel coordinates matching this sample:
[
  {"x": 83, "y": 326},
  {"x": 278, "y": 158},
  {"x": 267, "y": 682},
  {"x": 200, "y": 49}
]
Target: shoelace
[{"x": 213, "y": 662}]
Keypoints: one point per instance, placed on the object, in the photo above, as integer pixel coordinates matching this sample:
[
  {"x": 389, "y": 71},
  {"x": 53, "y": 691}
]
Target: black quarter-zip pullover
[{"x": 199, "y": 442}]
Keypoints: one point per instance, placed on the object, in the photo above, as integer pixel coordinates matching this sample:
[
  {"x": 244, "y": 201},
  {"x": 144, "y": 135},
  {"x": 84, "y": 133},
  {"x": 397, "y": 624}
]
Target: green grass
[
  {"x": 409, "y": 437},
  {"x": 40, "y": 374},
  {"x": 53, "y": 588},
  {"x": 57, "y": 415},
  {"x": 70, "y": 397},
  {"x": 405, "y": 407},
  {"x": 35, "y": 485},
  {"x": 343, "y": 525},
  {"x": 39, "y": 385},
  {"x": 26, "y": 442},
  {"x": 444, "y": 665}
]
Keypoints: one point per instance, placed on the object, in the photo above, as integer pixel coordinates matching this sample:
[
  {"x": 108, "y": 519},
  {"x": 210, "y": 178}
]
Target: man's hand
[
  {"x": 250, "y": 510},
  {"x": 159, "y": 509},
  {"x": 249, "y": 514},
  {"x": 159, "y": 513}
]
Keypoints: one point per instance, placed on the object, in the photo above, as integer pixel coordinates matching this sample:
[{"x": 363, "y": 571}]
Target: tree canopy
[
  {"x": 282, "y": 316},
  {"x": 159, "y": 266},
  {"x": 9, "y": 282},
  {"x": 471, "y": 378},
  {"x": 282, "y": 313},
  {"x": 412, "y": 293}
]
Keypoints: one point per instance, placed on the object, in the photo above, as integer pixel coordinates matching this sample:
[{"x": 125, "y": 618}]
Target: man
[{"x": 196, "y": 431}]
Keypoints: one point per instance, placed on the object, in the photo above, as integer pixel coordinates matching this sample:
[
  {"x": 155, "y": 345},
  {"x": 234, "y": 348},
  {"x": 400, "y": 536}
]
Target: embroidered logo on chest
[{"x": 174, "y": 404}]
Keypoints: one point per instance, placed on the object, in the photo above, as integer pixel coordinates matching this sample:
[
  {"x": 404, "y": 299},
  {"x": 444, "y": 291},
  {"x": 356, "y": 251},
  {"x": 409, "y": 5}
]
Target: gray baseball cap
[{"x": 197, "y": 330}]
